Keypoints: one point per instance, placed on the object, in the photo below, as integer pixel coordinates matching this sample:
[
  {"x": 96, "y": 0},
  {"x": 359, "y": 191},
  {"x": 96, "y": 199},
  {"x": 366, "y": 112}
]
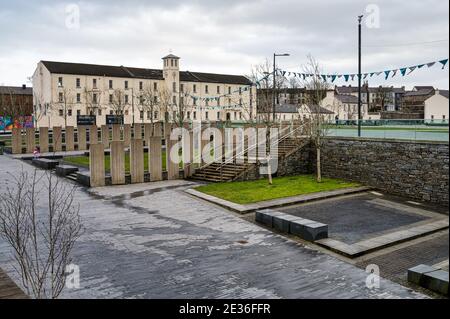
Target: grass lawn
[
  {"x": 84, "y": 161},
  {"x": 387, "y": 128},
  {"x": 260, "y": 190}
]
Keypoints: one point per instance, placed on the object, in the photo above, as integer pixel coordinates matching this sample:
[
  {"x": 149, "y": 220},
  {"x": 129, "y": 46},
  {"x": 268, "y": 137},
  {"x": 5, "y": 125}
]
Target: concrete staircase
[{"x": 217, "y": 172}]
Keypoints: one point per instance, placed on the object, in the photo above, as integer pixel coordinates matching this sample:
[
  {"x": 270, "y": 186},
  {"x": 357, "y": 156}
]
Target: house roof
[
  {"x": 348, "y": 99},
  {"x": 316, "y": 109},
  {"x": 444, "y": 93},
  {"x": 18, "y": 90},
  {"x": 139, "y": 73},
  {"x": 171, "y": 56},
  {"x": 354, "y": 89},
  {"x": 421, "y": 92},
  {"x": 419, "y": 88}
]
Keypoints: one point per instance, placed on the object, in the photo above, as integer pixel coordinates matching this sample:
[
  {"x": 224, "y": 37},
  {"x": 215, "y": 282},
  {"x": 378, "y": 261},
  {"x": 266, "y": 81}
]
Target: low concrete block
[
  {"x": 437, "y": 281},
  {"x": 84, "y": 178},
  {"x": 415, "y": 274},
  {"x": 64, "y": 170},
  {"x": 45, "y": 163},
  {"x": 281, "y": 221},
  {"x": 308, "y": 229},
  {"x": 264, "y": 217}
]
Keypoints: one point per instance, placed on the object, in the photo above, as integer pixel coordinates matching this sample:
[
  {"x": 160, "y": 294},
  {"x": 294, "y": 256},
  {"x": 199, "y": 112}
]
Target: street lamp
[
  {"x": 274, "y": 81},
  {"x": 359, "y": 75}
]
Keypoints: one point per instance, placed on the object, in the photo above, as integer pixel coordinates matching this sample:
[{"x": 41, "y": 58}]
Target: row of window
[{"x": 141, "y": 86}]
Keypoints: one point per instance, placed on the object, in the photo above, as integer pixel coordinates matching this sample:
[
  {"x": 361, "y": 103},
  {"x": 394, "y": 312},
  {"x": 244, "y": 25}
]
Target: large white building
[
  {"x": 62, "y": 91},
  {"x": 436, "y": 107}
]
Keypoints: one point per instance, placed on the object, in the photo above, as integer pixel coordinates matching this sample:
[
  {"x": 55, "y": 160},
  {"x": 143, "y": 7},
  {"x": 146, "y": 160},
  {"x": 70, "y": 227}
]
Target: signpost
[{"x": 87, "y": 120}]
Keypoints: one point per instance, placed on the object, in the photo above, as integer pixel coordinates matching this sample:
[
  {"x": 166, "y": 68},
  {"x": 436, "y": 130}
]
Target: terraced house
[{"x": 65, "y": 91}]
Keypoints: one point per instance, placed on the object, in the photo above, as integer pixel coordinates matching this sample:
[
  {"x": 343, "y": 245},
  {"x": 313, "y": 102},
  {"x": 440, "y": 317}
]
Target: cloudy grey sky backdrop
[{"x": 226, "y": 36}]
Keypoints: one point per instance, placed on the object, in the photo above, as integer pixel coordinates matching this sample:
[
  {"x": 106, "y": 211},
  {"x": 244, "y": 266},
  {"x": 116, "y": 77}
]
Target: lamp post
[
  {"x": 274, "y": 82},
  {"x": 359, "y": 75}
]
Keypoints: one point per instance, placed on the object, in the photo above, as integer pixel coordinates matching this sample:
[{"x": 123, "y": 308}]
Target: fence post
[
  {"x": 93, "y": 134},
  {"x": 138, "y": 131},
  {"x": 127, "y": 134},
  {"x": 173, "y": 168},
  {"x": 116, "y": 132},
  {"x": 137, "y": 161},
  {"x": 43, "y": 139},
  {"x": 57, "y": 139},
  {"x": 148, "y": 132},
  {"x": 81, "y": 138},
  {"x": 105, "y": 136},
  {"x": 155, "y": 158},
  {"x": 70, "y": 144},
  {"x": 31, "y": 142},
  {"x": 97, "y": 165},
  {"x": 16, "y": 141},
  {"x": 117, "y": 163}
]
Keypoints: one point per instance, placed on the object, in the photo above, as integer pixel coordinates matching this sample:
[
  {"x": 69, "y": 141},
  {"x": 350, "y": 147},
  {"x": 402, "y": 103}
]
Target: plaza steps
[{"x": 217, "y": 172}]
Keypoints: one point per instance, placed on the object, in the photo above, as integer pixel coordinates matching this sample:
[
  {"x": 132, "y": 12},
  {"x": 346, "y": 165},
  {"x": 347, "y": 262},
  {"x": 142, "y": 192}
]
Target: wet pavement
[{"x": 155, "y": 241}]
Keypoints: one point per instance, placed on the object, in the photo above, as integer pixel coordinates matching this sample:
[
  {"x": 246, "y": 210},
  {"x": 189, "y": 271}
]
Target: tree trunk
[{"x": 318, "y": 164}]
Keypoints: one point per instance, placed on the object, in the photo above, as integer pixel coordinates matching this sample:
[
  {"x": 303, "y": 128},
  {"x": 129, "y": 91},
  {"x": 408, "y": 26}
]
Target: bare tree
[
  {"x": 184, "y": 104},
  {"x": 165, "y": 103},
  {"x": 66, "y": 101},
  {"x": 119, "y": 103},
  {"x": 148, "y": 101},
  {"x": 381, "y": 99},
  {"x": 316, "y": 89},
  {"x": 93, "y": 100},
  {"x": 42, "y": 239}
]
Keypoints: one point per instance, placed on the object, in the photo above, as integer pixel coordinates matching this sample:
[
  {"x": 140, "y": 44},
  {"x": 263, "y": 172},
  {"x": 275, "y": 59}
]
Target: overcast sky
[{"x": 227, "y": 36}]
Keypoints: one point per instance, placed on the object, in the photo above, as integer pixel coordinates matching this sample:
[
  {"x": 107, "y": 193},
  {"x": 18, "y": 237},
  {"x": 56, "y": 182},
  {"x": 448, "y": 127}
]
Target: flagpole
[{"x": 359, "y": 75}]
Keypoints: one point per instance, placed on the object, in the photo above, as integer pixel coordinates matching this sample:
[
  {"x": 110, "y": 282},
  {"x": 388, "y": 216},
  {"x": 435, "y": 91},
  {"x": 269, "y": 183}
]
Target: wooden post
[
  {"x": 105, "y": 136},
  {"x": 93, "y": 134},
  {"x": 137, "y": 131},
  {"x": 172, "y": 166},
  {"x": 155, "y": 159},
  {"x": 116, "y": 132},
  {"x": 31, "y": 142},
  {"x": 70, "y": 144},
  {"x": 81, "y": 138},
  {"x": 148, "y": 132},
  {"x": 43, "y": 139},
  {"x": 127, "y": 134},
  {"x": 137, "y": 161},
  {"x": 57, "y": 139},
  {"x": 97, "y": 165},
  {"x": 117, "y": 163},
  {"x": 16, "y": 141}
]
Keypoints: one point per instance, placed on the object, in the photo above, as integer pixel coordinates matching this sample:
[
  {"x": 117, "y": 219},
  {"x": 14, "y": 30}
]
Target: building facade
[
  {"x": 436, "y": 107},
  {"x": 64, "y": 91}
]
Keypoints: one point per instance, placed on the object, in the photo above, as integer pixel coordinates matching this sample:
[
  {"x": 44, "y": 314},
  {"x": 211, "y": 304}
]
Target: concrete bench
[
  {"x": 304, "y": 228},
  {"x": 430, "y": 278},
  {"x": 45, "y": 163},
  {"x": 64, "y": 170}
]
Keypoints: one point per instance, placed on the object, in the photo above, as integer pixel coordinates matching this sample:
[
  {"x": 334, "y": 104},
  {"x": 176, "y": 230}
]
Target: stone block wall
[{"x": 417, "y": 170}]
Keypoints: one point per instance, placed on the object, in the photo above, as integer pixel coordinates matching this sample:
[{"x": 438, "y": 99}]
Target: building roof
[
  {"x": 354, "y": 89},
  {"x": 139, "y": 73},
  {"x": 18, "y": 90},
  {"x": 421, "y": 92},
  {"x": 444, "y": 93},
  {"x": 348, "y": 99},
  {"x": 171, "y": 56},
  {"x": 419, "y": 88},
  {"x": 315, "y": 109}
]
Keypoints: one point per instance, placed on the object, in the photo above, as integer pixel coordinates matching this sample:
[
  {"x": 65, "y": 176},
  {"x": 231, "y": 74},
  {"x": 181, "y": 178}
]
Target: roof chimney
[{"x": 24, "y": 86}]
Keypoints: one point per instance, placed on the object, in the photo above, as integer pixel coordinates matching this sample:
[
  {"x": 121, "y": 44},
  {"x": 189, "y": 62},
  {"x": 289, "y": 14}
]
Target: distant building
[
  {"x": 414, "y": 101},
  {"x": 65, "y": 90},
  {"x": 436, "y": 107},
  {"x": 16, "y": 100}
]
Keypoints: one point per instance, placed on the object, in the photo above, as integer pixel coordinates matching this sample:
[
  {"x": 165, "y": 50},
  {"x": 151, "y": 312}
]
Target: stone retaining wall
[{"x": 417, "y": 170}]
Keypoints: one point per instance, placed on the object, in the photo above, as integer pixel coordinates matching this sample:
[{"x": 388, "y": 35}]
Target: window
[
  {"x": 111, "y": 98},
  {"x": 60, "y": 97},
  {"x": 111, "y": 84},
  {"x": 94, "y": 83},
  {"x": 78, "y": 112},
  {"x": 61, "y": 112},
  {"x": 99, "y": 112},
  {"x": 240, "y": 102},
  {"x": 94, "y": 98},
  {"x": 126, "y": 98},
  {"x": 229, "y": 90},
  {"x": 218, "y": 101},
  {"x": 240, "y": 91},
  {"x": 229, "y": 102},
  {"x": 78, "y": 82},
  {"x": 155, "y": 86},
  {"x": 188, "y": 115},
  {"x": 235, "y": 115},
  {"x": 141, "y": 99},
  {"x": 111, "y": 112},
  {"x": 206, "y": 89},
  {"x": 195, "y": 115},
  {"x": 194, "y": 88},
  {"x": 60, "y": 81},
  {"x": 156, "y": 115},
  {"x": 174, "y": 100},
  {"x": 126, "y": 85},
  {"x": 206, "y": 103},
  {"x": 141, "y": 85},
  {"x": 218, "y": 115},
  {"x": 218, "y": 89},
  {"x": 194, "y": 101},
  {"x": 69, "y": 112},
  {"x": 181, "y": 88},
  {"x": 141, "y": 115},
  {"x": 206, "y": 115},
  {"x": 78, "y": 98},
  {"x": 155, "y": 99},
  {"x": 443, "y": 117},
  {"x": 171, "y": 62},
  {"x": 126, "y": 112},
  {"x": 174, "y": 86}
]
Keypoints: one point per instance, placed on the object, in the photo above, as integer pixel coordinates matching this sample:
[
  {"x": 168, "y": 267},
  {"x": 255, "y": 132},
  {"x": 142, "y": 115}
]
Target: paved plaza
[{"x": 156, "y": 241}]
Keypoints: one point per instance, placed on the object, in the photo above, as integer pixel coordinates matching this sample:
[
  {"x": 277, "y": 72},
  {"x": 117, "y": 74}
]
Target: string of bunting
[{"x": 387, "y": 73}]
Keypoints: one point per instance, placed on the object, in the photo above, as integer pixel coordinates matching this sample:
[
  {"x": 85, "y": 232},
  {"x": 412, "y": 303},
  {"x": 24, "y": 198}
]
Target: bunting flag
[
  {"x": 443, "y": 62},
  {"x": 403, "y": 71},
  {"x": 387, "y": 74}
]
